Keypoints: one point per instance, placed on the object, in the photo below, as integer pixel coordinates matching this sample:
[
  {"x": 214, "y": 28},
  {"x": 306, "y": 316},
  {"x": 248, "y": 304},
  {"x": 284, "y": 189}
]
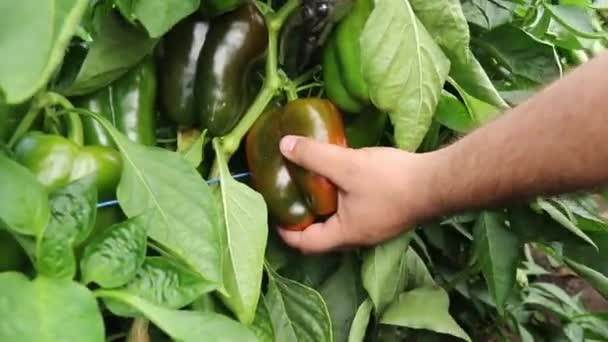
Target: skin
[{"x": 553, "y": 143}]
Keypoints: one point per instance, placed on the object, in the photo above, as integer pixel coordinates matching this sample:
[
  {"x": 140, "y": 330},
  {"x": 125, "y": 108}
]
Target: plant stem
[{"x": 272, "y": 84}]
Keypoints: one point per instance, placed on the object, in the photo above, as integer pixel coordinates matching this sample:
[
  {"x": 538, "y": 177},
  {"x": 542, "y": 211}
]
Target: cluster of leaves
[{"x": 199, "y": 261}]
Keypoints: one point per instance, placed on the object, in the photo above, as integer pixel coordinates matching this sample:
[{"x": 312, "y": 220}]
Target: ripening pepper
[
  {"x": 342, "y": 74},
  {"x": 295, "y": 196},
  {"x": 181, "y": 46},
  {"x": 56, "y": 161},
  {"x": 234, "y": 43},
  {"x": 128, "y": 103}
]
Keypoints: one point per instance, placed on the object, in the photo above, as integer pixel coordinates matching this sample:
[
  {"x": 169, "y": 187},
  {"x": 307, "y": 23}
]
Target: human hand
[{"x": 381, "y": 192}]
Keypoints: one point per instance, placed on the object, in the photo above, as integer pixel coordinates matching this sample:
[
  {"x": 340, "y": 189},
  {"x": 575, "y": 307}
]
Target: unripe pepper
[
  {"x": 182, "y": 46},
  {"x": 342, "y": 74},
  {"x": 56, "y": 161},
  {"x": 234, "y": 42},
  {"x": 295, "y": 196},
  {"x": 128, "y": 103}
]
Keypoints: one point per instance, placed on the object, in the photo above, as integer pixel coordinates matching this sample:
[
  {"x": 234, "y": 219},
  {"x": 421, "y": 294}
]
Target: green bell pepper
[
  {"x": 342, "y": 74},
  {"x": 56, "y": 161},
  {"x": 235, "y": 41},
  {"x": 181, "y": 47},
  {"x": 128, "y": 103},
  {"x": 295, "y": 196}
]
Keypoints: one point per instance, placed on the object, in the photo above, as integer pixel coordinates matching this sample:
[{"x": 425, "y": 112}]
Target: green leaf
[
  {"x": 262, "y": 324},
  {"x": 453, "y": 114},
  {"x": 343, "y": 293},
  {"x": 498, "y": 251},
  {"x": 383, "y": 270},
  {"x": 113, "y": 257},
  {"x": 245, "y": 219},
  {"x": 575, "y": 18},
  {"x": 27, "y": 211},
  {"x": 184, "y": 214},
  {"x": 193, "y": 152},
  {"x": 595, "y": 278},
  {"x": 522, "y": 54},
  {"x": 480, "y": 111},
  {"x": 417, "y": 273},
  {"x": 73, "y": 213},
  {"x": 404, "y": 68},
  {"x": 45, "y": 310},
  {"x": 182, "y": 325},
  {"x": 298, "y": 312},
  {"x": 164, "y": 282},
  {"x": 117, "y": 47},
  {"x": 33, "y": 38},
  {"x": 563, "y": 220},
  {"x": 360, "y": 322},
  {"x": 488, "y": 14},
  {"x": 157, "y": 16},
  {"x": 424, "y": 308},
  {"x": 445, "y": 21}
]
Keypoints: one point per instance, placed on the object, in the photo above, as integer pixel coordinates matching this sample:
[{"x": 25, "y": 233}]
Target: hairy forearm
[{"x": 556, "y": 142}]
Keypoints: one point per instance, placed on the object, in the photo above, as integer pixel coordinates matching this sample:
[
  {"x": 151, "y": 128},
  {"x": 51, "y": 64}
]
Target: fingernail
[{"x": 287, "y": 144}]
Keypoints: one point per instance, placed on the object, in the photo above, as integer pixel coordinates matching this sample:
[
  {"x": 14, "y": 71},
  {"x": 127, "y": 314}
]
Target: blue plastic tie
[{"x": 211, "y": 181}]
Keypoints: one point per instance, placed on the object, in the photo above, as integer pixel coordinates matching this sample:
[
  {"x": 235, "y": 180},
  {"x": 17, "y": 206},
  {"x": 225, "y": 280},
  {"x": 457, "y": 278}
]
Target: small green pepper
[
  {"x": 127, "y": 103},
  {"x": 57, "y": 161}
]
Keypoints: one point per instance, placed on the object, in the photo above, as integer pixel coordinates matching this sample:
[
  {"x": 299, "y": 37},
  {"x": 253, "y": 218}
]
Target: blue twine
[{"x": 211, "y": 181}]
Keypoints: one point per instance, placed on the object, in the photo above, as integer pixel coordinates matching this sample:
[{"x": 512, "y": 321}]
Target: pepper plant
[{"x": 139, "y": 163}]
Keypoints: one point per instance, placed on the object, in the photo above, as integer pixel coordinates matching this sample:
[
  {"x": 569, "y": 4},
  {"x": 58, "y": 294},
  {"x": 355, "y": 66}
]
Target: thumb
[
  {"x": 317, "y": 238},
  {"x": 328, "y": 160}
]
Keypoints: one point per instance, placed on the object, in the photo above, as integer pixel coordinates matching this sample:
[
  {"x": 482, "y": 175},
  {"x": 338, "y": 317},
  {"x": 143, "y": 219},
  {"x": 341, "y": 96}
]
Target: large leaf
[
  {"x": 47, "y": 310},
  {"x": 184, "y": 216},
  {"x": 27, "y": 211},
  {"x": 405, "y": 69},
  {"x": 73, "y": 213},
  {"x": 522, "y": 54},
  {"x": 360, "y": 322},
  {"x": 424, "y": 308},
  {"x": 498, "y": 251},
  {"x": 157, "y": 16},
  {"x": 298, "y": 312},
  {"x": 33, "y": 37},
  {"x": 117, "y": 46},
  {"x": 186, "y": 326},
  {"x": 113, "y": 257},
  {"x": 245, "y": 219},
  {"x": 343, "y": 293},
  {"x": 445, "y": 21},
  {"x": 164, "y": 282},
  {"x": 576, "y": 18},
  {"x": 383, "y": 270}
]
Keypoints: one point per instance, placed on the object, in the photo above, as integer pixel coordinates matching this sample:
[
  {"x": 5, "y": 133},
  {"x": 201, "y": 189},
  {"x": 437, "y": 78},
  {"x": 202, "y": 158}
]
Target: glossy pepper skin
[
  {"x": 129, "y": 105},
  {"x": 56, "y": 161},
  {"x": 182, "y": 46},
  {"x": 235, "y": 41},
  {"x": 295, "y": 196},
  {"x": 342, "y": 74}
]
